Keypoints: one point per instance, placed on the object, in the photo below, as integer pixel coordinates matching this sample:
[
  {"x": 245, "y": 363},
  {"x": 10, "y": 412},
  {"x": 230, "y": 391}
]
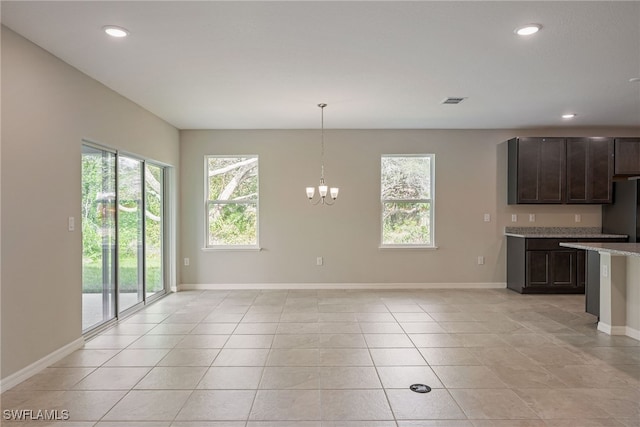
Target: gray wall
[
  {"x": 470, "y": 181},
  {"x": 48, "y": 107}
]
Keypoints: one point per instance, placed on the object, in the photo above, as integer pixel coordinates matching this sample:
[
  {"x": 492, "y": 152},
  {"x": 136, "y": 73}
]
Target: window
[
  {"x": 232, "y": 201},
  {"x": 407, "y": 200}
]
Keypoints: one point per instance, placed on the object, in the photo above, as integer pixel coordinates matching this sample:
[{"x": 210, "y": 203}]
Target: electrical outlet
[
  {"x": 578, "y": 218},
  {"x": 71, "y": 223},
  {"x": 319, "y": 260},
  {"x": 514, "y": 217},
  {"x": 532, "y": 217},
  {"x": 605, "y": 271},
  {"x": 487, "y": 217},
  {"x": 186, "y": 262},
  {"x": 480, "y": 260}
]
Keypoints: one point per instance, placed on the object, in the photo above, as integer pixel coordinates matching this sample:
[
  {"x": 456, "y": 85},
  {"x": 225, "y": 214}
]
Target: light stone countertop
[
  {"x": 560, "y": 233},
  {"x": 628, "y": 249}
]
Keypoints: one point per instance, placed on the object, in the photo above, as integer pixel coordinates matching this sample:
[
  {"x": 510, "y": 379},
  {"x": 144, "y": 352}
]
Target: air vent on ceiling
[{"x": 453, "y": 100}]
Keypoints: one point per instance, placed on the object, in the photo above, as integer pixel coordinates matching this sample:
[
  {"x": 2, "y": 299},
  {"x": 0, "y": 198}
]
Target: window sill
[
  {"x": 232, "y": 248},
  {"x": 421, "y": 247}
]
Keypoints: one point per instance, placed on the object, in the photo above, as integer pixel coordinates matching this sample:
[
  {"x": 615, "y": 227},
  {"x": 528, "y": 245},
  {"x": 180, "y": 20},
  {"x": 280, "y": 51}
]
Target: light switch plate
[{"x": 532, "y": 217}]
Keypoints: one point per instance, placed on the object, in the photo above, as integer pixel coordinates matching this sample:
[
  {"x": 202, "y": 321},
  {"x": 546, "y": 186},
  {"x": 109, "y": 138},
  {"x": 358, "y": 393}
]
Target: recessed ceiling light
[
  {"x": 569, "y": 116},
  {"x": 635, "y": 80},
  {"x": 527, "y": 30},
  {"x": 115, "y": 31}
]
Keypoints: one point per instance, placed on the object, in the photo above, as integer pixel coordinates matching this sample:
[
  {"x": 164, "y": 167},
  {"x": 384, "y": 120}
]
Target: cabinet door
[
  {"x": 541, "y": 170},
  {"x": 563, "y": 268},
  {"x": 589, "y": 170},
  {"x": 627, "y": 159},
  {"x": 538, "y": 268}
]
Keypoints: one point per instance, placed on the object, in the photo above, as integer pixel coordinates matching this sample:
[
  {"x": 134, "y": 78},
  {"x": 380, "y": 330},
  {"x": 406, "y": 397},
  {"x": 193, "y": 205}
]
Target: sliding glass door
[
  {"x": 154, "y": 228},
  {"x": 98, "y": 236},
  {"x": 122, "y": 233},
  {"x": 130, "y": 233}
]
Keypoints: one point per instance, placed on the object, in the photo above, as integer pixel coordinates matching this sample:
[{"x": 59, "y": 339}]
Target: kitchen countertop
[
  {"x": 628, "y": 249},
  {"x": 560, "y": 233}
]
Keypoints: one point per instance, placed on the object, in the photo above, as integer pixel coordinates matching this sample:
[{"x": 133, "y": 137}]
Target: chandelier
[{"x": 323, "y": 189}]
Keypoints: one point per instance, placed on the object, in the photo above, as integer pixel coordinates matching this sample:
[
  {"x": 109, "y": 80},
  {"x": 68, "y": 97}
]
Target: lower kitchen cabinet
[{"x": 542, "y": 266}]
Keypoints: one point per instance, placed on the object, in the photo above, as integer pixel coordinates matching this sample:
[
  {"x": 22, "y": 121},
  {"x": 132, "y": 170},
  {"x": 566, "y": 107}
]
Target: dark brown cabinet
[
  {"x": 560, "y": 170},
  {"x": 537, "y": 170},
  {"x": 542, "y": 266},
  {"x": 589, "y": 170},
  {"x": 627, "y": 156}
]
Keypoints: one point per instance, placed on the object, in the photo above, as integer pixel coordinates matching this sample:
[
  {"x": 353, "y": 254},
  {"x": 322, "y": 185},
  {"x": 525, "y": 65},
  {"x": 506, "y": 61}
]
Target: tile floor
[{"x": 340, "y": 358}]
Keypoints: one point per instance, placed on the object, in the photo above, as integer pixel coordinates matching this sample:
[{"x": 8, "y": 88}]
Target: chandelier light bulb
[{"x": 323, "y": 189}]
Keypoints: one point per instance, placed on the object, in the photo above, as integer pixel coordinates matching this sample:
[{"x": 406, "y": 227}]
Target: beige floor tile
[
  {"x": 337, "y": 317},
  {"x": 284, "y": 424},
  {"x": 219, "y": 405},
  {"x": 566, "y": 403},
  {"x": 286, "y": 405},
  {"x": 293, "y": 357},
  {"x": 54, "y": 379},
  {"x": 405, "y": 376},
  {"x": 481, "y": 340},
  {"x": 156, "y": 341},
  {"x": 298, "y": 328},
  {"x": 375, "y": 317},
  {"x": 293, "y": 341},
  {"x": 590, "y": 422},
  {"x": 464, "y": 327},
  {"x": 449, "y": 356},
  {"x": 214, "y": 329},
  {"x": 526, "y": 339},
  {"x": 349, "y": 405},
  {"x": 339, "y": 328},
  {"x": 526, "y": 376},
  {"x": 137, "y": 357},
  {"x": 138, "y": 329},
  {"x": 388, "y": 341},
  {"x": 422, "y": 328},
  {"x": 110, "y": 341},
  {"x": 413, "y": 317},
  {"x": 231, "y": 378},
  {"x": 501, "y": 356},
  {"x": 396, "y": 357},
  {"x": 171, "y": 378},
  {"x": 267, "y": 328},
  {"x": 341, "y": 341},
  {"x": 203, "y": 341},
  {"x": 82, "y": 405},
  {"x": 351, "y": 377},
  {"x": 435, "y": 340},
  {"x": 344, "y": 357},
  {"x": 86, "y": 358},
  {"x": 123, "y": 378},
  {"x": 221, "y": 317},
  {"x": 189, "y": 357},
  {"x": 241, "y": 357},
  {"x": 293, "y": 377},
  {"x": 511, "y": 423},
  {"x": 435, "y": 405},
  {"x": 468, "y": 377},
  {"x": 249, "y": 341},
  {"x": 172, "y": 329},
  {"x": 358, "y": 424},
  {"x": 299, "y": 317},
  {"x": 492, "y": 404},
  {"x": 381, "y": 328},
  {"x": 553, "y": 355},
  {"x": 133, "y": 424},
  {"x": 438, "y": 423},
  {"x": 583, "y": 376}
]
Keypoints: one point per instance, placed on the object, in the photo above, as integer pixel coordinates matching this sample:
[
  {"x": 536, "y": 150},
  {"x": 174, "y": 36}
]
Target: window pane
[
  {"x": 233, "y": 178},
  {"x": 130, "y": 273},
  {"x": 233, "y": 224},
  {"x": 406, "y": 223},
  {"x": 98, "y": 236},
  {"x": 153, "y": 224},
  {"x": 406, "y": 178}
]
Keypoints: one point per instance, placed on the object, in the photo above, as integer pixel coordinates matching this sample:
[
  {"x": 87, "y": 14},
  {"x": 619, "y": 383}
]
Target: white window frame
[
  {"x": 431, "y": 201},
  {"x": 208, "y": 202}
]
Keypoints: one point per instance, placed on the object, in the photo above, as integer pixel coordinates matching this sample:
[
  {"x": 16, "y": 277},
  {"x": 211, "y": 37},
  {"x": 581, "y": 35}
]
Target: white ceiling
[{"x": 261, "y": 65}]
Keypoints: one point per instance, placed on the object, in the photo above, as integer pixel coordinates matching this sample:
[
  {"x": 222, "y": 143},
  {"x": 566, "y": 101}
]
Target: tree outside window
[
  {"x": 232, "y": 201},
  {"x": 407, "y": 200}
]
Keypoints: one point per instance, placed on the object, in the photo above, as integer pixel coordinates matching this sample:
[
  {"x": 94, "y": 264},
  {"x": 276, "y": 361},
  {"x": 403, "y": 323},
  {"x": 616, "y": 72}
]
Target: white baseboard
[
  {"x": 29, "y": 371},
  {"x": 280, "y": 286},
  {"x": 619, "y": 330}
]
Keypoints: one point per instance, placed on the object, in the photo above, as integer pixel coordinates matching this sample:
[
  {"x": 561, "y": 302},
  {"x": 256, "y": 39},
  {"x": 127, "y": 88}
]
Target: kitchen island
[{"x": 619, "y": 286}]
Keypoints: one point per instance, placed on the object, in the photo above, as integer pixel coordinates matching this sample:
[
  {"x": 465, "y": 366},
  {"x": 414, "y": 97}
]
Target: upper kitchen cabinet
[
  {"x": 627, "y": 156},
  {"x": 589, "y": 170},
  {"x": 537, "y": 169},
  {"x": 560, "y": 170}
]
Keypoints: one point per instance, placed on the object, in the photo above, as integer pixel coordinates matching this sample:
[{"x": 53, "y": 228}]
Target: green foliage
[
  {"x": 406, "y": 194},
  {"x": 233, "y": 195}
]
